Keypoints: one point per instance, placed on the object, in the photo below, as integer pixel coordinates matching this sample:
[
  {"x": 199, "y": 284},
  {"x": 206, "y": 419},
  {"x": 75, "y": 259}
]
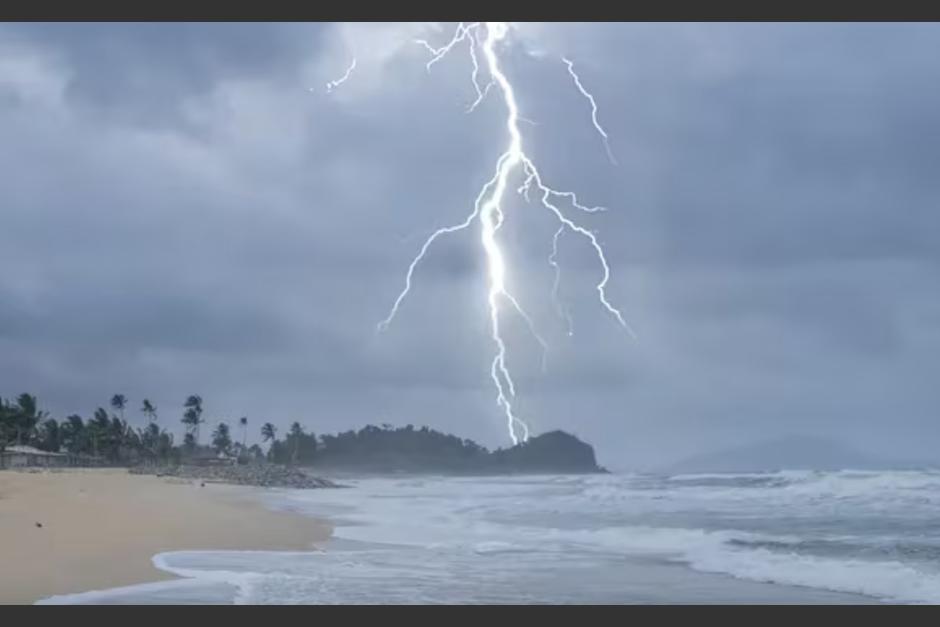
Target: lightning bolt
[
  {"x": 330, "y": 86},
  {"x": 553, "y": 262},
  {"x": 597, "y": 125},
  {"x": 488, "y": 213}
]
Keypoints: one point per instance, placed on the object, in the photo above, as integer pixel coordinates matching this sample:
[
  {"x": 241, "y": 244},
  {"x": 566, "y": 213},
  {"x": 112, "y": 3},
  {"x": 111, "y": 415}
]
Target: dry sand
[{"x": 101, "y": 527}]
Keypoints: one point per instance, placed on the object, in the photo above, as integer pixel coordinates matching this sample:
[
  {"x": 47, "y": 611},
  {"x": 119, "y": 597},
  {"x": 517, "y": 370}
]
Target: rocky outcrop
[{"x": 552, "y": 452}]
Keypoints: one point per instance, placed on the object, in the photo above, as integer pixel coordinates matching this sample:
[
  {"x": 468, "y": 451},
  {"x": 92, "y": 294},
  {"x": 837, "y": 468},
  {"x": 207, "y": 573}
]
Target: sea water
[{"x": 786, "y": 537}]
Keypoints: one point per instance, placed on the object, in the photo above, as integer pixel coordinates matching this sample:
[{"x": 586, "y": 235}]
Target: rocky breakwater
[{"x": 261, "y": 475}]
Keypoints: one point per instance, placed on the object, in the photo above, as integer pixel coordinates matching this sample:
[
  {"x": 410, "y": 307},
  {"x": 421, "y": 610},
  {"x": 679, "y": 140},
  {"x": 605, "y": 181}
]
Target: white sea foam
[{"x": 564, "y": 539}]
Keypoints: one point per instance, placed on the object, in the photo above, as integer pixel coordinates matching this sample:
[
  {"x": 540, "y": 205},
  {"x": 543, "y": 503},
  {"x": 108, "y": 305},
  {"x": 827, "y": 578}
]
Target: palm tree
[
  {"x": 7, "y": 423},
  {"x": 150, "y": 439},
  {"x": 26, "y": 416},
  {"x": 296, "y": 434},
  {"x": 268, "y": 432},
  {"x": 98, "y": 428},
  {"x": 73, "y": 434},
  {"x": 131, "y": 445},
  {"x": 50, "y": 436},
  {"x": 221, "y": 440},
  {"x": 119, "y": 402},
  {"x": 243, "y": 421},
  {"x": 192, "y": 417},
  {"x": 117, "y": 436},
  {"x": 164, "y": 445},
  {"x": 149, "y": 410}
]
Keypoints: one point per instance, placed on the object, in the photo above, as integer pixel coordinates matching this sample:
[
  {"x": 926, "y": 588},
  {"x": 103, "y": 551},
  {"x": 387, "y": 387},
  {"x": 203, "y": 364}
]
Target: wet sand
[{"x": 101, "y": 528}]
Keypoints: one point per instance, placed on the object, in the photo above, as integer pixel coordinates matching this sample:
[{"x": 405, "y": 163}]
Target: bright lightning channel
[
  {"x": 330, "y": 86},
  {"x": 487, "y": 210},
  {"x": 597, "y": 125}
]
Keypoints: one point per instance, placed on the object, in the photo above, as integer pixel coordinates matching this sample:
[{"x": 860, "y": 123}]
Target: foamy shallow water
[{"x": 779, "y": 537}]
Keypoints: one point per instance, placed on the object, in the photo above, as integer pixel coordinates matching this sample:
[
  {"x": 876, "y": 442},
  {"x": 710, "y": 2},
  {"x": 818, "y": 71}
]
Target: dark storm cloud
[
  {"x": 182, "y": 214},
  {"x": 143, "y": 72}
]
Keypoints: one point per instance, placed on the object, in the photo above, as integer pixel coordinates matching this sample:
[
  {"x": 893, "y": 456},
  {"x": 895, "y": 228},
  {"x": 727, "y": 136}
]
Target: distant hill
[
  {"x": 424, "y": 450},
  {"x": 555, "y": 451},
  {"x": 788, "y": 453}
]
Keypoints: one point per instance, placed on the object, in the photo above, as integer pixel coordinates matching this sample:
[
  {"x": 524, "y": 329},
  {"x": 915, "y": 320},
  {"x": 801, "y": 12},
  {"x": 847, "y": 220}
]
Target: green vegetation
[{"x": 109, "y": 439}]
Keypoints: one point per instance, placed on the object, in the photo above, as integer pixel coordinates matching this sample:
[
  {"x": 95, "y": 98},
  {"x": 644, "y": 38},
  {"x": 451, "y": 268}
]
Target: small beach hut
[{"x": 29, "y": 456}]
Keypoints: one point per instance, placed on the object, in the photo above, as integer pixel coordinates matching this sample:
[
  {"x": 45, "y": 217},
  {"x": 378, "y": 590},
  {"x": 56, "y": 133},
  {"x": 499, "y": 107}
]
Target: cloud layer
[{"x": 181, "y": 213}]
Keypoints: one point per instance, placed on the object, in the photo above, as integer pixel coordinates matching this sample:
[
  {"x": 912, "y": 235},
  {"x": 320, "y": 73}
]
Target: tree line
[
  {"x": 110, "y": 438},
  {"x": 105, "y": 436}
]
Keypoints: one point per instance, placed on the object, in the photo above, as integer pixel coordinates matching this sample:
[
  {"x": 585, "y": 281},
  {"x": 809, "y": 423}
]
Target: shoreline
[
  {"x": 101, "y": 528},
  {"x": 106, "y": 529}
]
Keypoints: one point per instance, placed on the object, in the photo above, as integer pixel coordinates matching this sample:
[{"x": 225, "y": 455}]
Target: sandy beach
[{"x": 101, "y": 527}]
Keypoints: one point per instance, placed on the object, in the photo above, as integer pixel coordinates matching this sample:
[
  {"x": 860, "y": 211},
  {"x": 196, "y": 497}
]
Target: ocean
[{"x": 785, "y": 537}]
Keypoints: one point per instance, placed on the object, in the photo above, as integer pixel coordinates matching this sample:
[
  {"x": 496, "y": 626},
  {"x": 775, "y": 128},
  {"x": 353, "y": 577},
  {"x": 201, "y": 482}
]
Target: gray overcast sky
[{"x": 180, "y": 213}]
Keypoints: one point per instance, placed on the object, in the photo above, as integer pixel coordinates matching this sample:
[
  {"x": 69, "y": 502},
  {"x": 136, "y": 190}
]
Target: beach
[
  {"x": 566, "y": 539},
  {"x": 100, "y": 528}
]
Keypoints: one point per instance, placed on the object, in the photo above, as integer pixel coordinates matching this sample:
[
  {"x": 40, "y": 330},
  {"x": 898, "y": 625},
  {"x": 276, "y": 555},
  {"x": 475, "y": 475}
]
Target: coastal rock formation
[
  {"x": 555, "y": 451},
  {"x": 408, "y": 450}
]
